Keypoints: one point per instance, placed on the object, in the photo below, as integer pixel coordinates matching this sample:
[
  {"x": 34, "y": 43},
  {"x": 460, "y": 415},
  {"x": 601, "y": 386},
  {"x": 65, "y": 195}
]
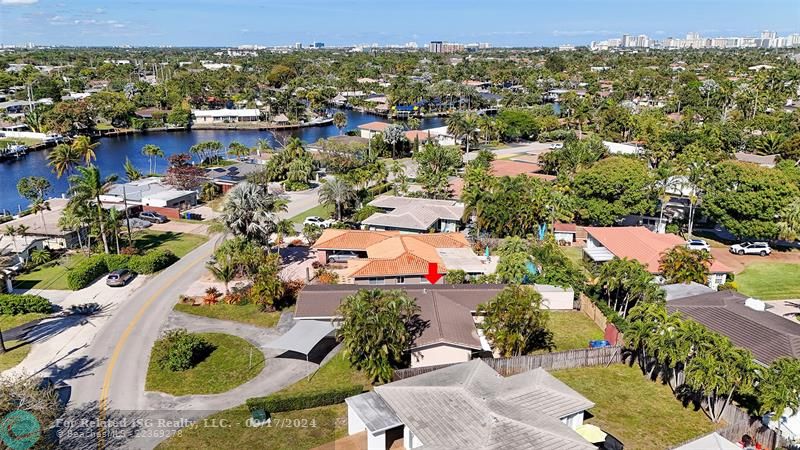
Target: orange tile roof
[
  {"x": 374, "y": 126},
  {"x": 422, "y": 135},
  {"x": 643, "y": 245},
  {"x": 390, "y": 253},
  {"x": 507, "y": 168}
]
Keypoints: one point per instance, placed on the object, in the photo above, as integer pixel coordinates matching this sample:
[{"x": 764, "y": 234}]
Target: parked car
[
  {"x": 556, "y": 146},
  {"x": 152, "y": 216},
  {"x": 751, "y": 248},
  {"x": 342, "y": 257},
  {"x": 698, "y": 244},
  {"x": 318, "y": 221},
  {"x": 119, "y": 277}
]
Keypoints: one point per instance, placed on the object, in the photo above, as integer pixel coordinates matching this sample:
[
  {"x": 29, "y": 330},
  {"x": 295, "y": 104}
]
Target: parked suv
[
  {"x": 698, "y": 244},
  {"x": 119, "y": 277},
  {"x": 152, "y": 216},
  {"x": 318, "y": 221},
  {"x": 751, "y": 248}
]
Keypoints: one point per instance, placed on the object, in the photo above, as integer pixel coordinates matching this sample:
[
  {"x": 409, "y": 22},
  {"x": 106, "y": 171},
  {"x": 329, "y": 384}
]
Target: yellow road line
[{"x": 118, "y": 349}]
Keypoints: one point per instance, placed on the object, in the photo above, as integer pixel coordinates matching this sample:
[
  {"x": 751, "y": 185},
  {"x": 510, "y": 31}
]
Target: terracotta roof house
[
  {"x": 767, "y": 161},
  {"x": 415, "y": 215},
  {"x": 505, "y": 168},
  {"x": 745, "y": 321},
  {"x": 470, "y": 406},
  {"x": 448, "y": 310},
  {"x": 643, "y": 245},
  {"x": 389, "y": 257},
  {"x": 370, "y": 129},
  {"x": 422, "y": 135}
]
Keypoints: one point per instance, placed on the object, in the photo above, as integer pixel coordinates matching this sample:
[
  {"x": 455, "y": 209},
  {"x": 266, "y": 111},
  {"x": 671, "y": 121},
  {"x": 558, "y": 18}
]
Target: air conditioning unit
[{"x": 755, "y": 304}]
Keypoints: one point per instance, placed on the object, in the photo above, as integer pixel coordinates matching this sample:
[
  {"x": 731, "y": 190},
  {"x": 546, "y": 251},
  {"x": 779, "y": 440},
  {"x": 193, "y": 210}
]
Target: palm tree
[
  {"x": 393, "y": 135},
  {"x": 131, "y": 172},
  {"x": 336, "y": 192},
  {"x": 63, "y": 159},
  {"x": 114, "y": 217},
  {"x": 456, "y": 125},
  {"x": 238, "y": 149},
  {"x": 152, "y": 151},
  {"x": 87, "y": 186},
  {"x": 223, "y": 270},
  {"x": 283, "y": 228},
  {"x": 251, "y": 211},
  {"x": 340, "y": 121},
  {"x": 769, "y": 143},
  {"x": 789, "y": 226},
  {"x": 39, "y": 206},
  {"x": 22, "y": 230},
  {"x": 84, "y": 147},
  {"x": 681, "y": 265},
  {"x": 413, "y": 123},
  {"x": 12, "y": 232},
  {"x": 262, "y": 145}
]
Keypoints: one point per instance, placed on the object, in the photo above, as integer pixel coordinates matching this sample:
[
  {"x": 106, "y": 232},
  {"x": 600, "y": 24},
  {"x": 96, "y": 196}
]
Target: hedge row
[
  {"x": 95, "y": 266},
  {"x": 14, "y": 304},
  {"x": 302, "y": 400}
]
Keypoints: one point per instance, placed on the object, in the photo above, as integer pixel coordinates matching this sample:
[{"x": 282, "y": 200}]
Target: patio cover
[{"x": 303, "y": 336}]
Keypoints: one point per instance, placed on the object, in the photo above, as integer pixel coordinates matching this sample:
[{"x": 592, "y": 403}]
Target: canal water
[{"x": 113, "y": 151}]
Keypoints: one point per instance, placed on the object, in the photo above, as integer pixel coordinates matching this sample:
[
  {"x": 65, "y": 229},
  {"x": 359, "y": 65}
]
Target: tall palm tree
[
  {"x": 63, "y": 159},
  {"x": 12, "y": 232},
  {"x": 39, "y": 206},
  {"x": 152, "y": 151},
  {"x": 252, "y": 212},
  {"x": 238, "y": 149},
  {"x": 87, "y": 186},
  {"x": 22, "y": 230},
  {"x": 131, "y": 172},
  {"x": 84, "y": 146},
  {"x": 340, "y": 121},
  {"x": 336, "y": 192}
]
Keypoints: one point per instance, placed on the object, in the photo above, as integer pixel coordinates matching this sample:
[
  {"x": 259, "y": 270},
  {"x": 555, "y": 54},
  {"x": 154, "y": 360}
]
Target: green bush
[
  {"x": 179, "y": 350},
  {"x": 14, "y": 304},
  {"x": 303, "y": 400},
  {"x": 86, "y": 271},
  {"x": 152, "y": 261},
  {"x": 114, "y": 262}
]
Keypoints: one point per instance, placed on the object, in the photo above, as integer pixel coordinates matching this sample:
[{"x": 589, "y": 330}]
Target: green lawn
[
  {"x": 248, "y": 314},
  {"x": 770, "y": 280},
  {"x": 329, "y": 422},
  {"x": 324, "y": 211},
  {"x": 16, "y": 352},
  {"x": 642, "y": 414},
  {"x": 575, "y": 254},
  {"x": 572, "y": 330},
  {"x": 8, "y": 322},
  {"x": 178, "y": 243},
  {"x": 228, "y": 366},
  {"x": 49, "y": 276},
  {"x": 24, "y": 141}
]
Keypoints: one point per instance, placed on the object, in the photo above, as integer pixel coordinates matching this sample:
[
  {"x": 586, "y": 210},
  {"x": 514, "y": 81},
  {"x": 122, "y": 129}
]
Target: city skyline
[{"x": 208, "y": 24}]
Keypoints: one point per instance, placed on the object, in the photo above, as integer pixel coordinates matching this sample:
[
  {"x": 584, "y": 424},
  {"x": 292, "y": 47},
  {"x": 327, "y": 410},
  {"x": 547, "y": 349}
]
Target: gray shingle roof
[
  {"x": 767, "y": 335},
  {"x": 682, "y": 290},
  {"x": 471, "y": 406},
  {"x": 373, "y": 411},
  {"x": 413, "y": 213}
]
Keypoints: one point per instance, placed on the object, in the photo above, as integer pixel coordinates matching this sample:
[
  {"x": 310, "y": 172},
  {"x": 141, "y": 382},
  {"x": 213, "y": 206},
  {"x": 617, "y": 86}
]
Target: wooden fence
[
  {"x": 569, "y": 359},
  {"x": 593, "y": 312}
]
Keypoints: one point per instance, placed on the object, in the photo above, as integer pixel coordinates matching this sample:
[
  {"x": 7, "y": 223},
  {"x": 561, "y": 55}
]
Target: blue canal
[{"x": 113, "y": 151}]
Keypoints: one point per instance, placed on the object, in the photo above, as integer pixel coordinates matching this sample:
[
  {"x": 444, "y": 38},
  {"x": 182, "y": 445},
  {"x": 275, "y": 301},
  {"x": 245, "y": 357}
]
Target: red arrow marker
[{"x": 433, "y": 273}]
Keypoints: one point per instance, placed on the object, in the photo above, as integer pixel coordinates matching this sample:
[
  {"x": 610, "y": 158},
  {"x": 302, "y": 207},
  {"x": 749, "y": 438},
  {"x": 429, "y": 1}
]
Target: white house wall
[
  {"x": 354, "y": 423},
  {"x": 439, "y": 354}
]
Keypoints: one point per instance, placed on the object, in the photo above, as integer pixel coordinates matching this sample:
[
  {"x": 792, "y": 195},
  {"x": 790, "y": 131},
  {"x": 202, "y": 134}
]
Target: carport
[{"x": 303, "y": 337}]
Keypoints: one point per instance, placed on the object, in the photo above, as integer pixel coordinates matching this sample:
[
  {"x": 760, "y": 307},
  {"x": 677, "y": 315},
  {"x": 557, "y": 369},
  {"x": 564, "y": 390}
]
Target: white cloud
[{"x": 18, "y": 2}]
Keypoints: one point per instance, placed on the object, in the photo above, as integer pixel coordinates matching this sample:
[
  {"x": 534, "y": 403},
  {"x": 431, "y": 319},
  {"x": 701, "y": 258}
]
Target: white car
[
  {"x": 318, "y": 221},
  {"x": 698, "y": 244},
  {"x": 556, "y": 146},
  {"x": 751, "y": 248}
]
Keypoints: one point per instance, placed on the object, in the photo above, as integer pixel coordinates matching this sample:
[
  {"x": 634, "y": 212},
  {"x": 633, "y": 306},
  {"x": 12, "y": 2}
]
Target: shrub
[
  {"x": 152, "y": 261},
  {"x": 303, "y": 400},
  {"x": 114, "y": 262},
  {"x": 86, "y": 271},
  {"x": 179, "y": 350},
  {"x": 13, "y": 304}
]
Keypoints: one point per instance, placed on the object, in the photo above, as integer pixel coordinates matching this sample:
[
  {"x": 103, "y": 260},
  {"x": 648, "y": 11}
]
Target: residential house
[
  {"x": 470, "y": 406},
  {"x": 389, "y": 257},
  {"x": 643, "y": 245},
  {"x": 226, "y": 115},
  {"x": 152, "y": 195},
  {"x": 368, "y": 130},
  {"x": 441, "y": 135},
  {"x": 682, "y": 290},
  {"x": 226, "y": 177},
  {"x": 414, "y": 215},
  {"x": 448, "y": 311},
  {"x": 616, "y": 148},
  {"x": 767, "y": 161},
  {"x": 504, "y": 168},
  {"x": 565, "y": 232},
  {"x": 43, "y": 230}
]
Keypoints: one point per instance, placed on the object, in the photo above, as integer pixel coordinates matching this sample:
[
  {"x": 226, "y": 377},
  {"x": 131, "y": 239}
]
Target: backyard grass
[
  {"x": 572, "y": 330},
  {"x": 49, "y": 276},
  {"x": 248, "y": 314},
  {"x": 228, "y": 366},
  {"x": 15, "y": 352},
  {"x": 575, "y": 254},
  {"x": 178, "y": 243},
  {"x": 8, "y": 322},
  {"x": 642, "y": 414},
  {"x": 324, "y": 211},
  {"x": 770, "y": 280},
  {"x": 329, "y": 422}
]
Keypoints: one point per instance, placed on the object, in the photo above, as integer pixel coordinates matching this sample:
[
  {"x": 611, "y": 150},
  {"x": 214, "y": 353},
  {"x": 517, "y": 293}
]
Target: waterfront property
[
  {"x": 414, "y": 215},
  {"x": 471, "y": 406},
  {"x": 450, "y": 334},
  {"x": 225, "y": 115},
  {"x": 389, "y": 257},
  {"x": 368, "y": 130}
]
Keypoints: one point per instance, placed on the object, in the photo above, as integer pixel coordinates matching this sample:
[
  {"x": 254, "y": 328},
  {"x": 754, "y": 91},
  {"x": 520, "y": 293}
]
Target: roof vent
[{"x": 755, "y": 304}]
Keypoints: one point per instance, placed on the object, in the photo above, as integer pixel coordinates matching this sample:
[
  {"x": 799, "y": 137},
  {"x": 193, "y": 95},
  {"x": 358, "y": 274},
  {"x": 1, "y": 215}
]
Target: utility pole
[{"x": 127, "y": 219}]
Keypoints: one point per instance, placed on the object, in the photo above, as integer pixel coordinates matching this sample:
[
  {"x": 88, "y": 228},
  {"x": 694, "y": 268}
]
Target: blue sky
[{"x": 336, "y": 22}]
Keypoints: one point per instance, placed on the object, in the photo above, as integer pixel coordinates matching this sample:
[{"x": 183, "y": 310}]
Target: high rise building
[
  {"x": 435, "y": 47},
  {"x": 768, "y": 34}
]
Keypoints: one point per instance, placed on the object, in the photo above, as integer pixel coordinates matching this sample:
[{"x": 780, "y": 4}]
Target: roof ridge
[{"x": 436, "y": 315}]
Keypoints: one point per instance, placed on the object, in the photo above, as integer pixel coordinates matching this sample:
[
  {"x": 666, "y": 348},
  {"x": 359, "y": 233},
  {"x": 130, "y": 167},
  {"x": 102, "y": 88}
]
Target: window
[
  {"x": 376, "y": 281},
  {"x": 401, "y": 280}
]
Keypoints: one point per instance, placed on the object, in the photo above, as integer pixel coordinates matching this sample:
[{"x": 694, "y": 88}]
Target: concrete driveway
[{"x": 181, "y": 227}]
